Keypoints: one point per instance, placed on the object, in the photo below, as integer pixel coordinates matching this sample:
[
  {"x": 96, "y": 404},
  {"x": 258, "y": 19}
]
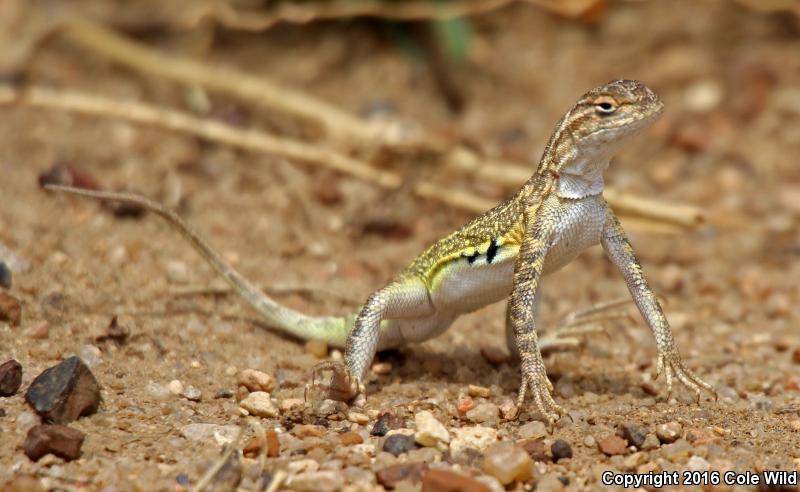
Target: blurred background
[{"x": 322, "y": 144}]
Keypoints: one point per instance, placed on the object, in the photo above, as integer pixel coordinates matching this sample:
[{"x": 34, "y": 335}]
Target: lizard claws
[
  {"x": 670, "y": 363},
  {"x": 343, "y": 386},
  {"x": 541, "y": 389}
]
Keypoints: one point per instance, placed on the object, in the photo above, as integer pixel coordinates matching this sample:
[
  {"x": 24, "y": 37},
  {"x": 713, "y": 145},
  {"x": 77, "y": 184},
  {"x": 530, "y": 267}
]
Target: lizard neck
[{"x": 582, "y": 175}]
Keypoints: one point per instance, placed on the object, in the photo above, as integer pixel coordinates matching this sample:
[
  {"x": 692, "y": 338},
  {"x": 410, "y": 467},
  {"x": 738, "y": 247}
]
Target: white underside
[{"x": 464, "y": 287}]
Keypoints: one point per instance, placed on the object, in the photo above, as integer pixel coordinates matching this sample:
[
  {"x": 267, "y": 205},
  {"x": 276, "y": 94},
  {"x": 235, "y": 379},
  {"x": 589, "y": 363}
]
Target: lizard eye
[{"x": 605, "y": 107}]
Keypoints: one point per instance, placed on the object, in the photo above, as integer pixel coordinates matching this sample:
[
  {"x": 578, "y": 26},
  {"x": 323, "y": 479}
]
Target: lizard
[{"x": 503, "y": 253}]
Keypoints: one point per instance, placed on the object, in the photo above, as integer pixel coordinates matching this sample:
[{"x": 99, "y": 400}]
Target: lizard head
[
  {"x": 580, "y": 149},
  {"x": 612, "y": 111}
]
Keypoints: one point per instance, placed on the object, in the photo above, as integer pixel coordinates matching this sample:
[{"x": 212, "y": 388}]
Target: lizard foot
[
  {"x": 343, "y": 386},
  {"x": 670, "y": 363},
  {"x": 535, "y": 378}
]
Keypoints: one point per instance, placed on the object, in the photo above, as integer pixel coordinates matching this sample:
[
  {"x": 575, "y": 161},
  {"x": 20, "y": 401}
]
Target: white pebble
[
  {"x": 258, "y": 403},
  {"x": 477, "y": 437},
  {"x": 175, "y": 387},
  {"x": 90, "y": 355},
  {"x": 430, "y": 432},
  {"x": 255, "y": 380},
  {"x": 177, "y": 272}
]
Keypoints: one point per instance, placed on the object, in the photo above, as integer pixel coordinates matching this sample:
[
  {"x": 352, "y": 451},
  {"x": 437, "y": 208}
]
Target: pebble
[
  {"x": 536, "y": 449},
  {"x": 532, "y": 430},
  {"x": 350, "y": 438},
  {"x": 507, "y": 462},
  {"x": 308, "y": 430},
  {"x": 177, "y": 271},
  {"x": 478, "y": 391},
  {"x": 258, "y": 403},
  {"x": 589, "y": 441},
  {"x": 796, "y": 355},
  {"x": 207, "y": 432},
  {"x": 175, "y": 387},
  {"x": 634, "y": 461},
  {"x": 612, "y": 445},
  {"x": 650, "y": 442},
  {"x": 430, "y": 432},
  {"x": 5, "y": 276},
  {"x": 159, "y": 392},
  {"x": 273, "y": 444},
  {"x": 465, "y": 404},
  {"x": 317, "y": 348},
  {"x": 387, "y": 421},
  {"x": 10, "y": 309},
  {"x": 697, "y": 463},
  {"x": 291, "y": 404},
  {"x": 193, "y": 394},
  {"x": 508, "y": 409},
  {"x": 398, "y": 444},
  {"x": 676, "y": 452},
  {"x": 484, "y": 412},
  {"x": 549, "y": 483},
  {"x": 59, "y": 440},
  {"x": 561, "y": 449},
  {"x": 477, "y": 437},
  {"x": 447, "y": 481},
  {"x": 64, "y": 392},
  {"x": 317, "y": 481},
  {"x": 669, "y": 432},
  {"x": 90, "y": 355},
  {"x": 10, "y": 377},
  {"x": 381, "y": 368},
  {"x": 391, "y": 475},
  {"x": 255, "y": 380},
  {"x": 634, "y": 434},
  {"x": 357, "y": 418}
]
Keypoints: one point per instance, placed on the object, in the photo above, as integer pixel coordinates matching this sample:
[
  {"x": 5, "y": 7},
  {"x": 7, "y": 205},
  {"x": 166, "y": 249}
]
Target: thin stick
[{"x": 272, "y": 96}]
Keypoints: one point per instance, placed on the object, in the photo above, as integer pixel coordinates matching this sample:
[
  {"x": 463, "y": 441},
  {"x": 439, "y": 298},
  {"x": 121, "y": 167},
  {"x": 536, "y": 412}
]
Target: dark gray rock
[
  {"x": 10, "y": 377},
  {"x": 64, "y": 392},
  {"x": 398, "y": 444}
]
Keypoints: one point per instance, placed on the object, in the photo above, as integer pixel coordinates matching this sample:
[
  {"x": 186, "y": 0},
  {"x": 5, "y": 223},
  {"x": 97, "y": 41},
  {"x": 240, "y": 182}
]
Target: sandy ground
[{"x": 728, "y": 142}]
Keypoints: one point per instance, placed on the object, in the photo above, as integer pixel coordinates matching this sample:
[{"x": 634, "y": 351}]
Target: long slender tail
[{"x": 332, "y": 330}]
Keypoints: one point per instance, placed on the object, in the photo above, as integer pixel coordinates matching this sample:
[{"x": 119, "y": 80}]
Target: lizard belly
[
  {"x": 464, "y": 286},
  {"x": 580, "y": 225}
]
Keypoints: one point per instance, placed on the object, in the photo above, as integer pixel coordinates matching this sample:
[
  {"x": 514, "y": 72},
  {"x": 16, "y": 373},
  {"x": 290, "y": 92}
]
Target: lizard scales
[{"x": 502, "y": 253}]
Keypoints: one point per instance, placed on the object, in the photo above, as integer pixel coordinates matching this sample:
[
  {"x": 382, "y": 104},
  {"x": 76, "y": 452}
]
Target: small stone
[
  {"x": 430, "y": 432},
  {"x": 209, "y": 432},
  {"x": 650, "y": 442},
  {"x": 328, "y": 407},
  {"x": 350, "y": 438},
  {"x": 255, "y": 380},
  {"x": 317, "y": 348},
  {"x": 10, "y": 377},
  {"x": 175, "y": 387},
  {"x": 357, "y": 418},
  {"x": 253, "y": 447},
  {"x": 447, "y": 481},
  {"x": 561, "y": 449},
  {"x": 90, "y": 355},
  {"x": 387, "y": 421},
  {"x": 222, "y": 394},
  {"x": 536, "y": 449},
  {"x": 477, "y": 437},
  {"x": 258, "y": 403},
  {"x": 549, "y": 482},
  {"x": 59, "y": 440},
  {"x": 634, "y": 461},
  {"x": 5, "y": 275},
  {"x": 308, "y": 430},
  {"x": 465, "y": 404},
  {"x": 796, "y": 355},
  {"x": 508, "y": 409},
  {"x": 64, "y": 392},
  {"x": 398, "y": 444},
  {"x": 273, "y": 444},
  {"x": 193, "y": 394},
  {"x": 532, "y": 430},
  {"x": 478, "y": 391},
  {"x": 381, "y": 368},
  {"x": 589, "y": 441},
  {"x": 291, "y": 404},
  {"x": 177, "y": 271},
  {"x": 669, "y": 432},
  {"x": 697, "y": 463},
  {"x": 795, "y": 425},
  {"x": 484, "y": 412},
  {"x": 494, "y": 355},
  {"x": 391, "y": 475},
  {"x": 157, "y": 391},
  {"x": 317, "y": 481},
  {"x": 10, "y": 309},
  {"x": 507, "y": 462},
  {"x": 612, "y": 445},
  {"x": 677, "y": 452},
  {"x": 634, "y": 434}
]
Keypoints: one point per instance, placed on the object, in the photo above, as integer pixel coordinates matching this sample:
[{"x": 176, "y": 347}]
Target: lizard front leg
[
  {"x": 527, "y": 272},
  {"x": 619, "y": 251},
  {"x": 407, "y": 297}
]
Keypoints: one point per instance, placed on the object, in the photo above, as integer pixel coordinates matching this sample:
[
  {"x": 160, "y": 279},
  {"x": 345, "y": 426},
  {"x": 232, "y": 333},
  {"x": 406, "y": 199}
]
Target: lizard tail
[{"x": 329, "y": 329}]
